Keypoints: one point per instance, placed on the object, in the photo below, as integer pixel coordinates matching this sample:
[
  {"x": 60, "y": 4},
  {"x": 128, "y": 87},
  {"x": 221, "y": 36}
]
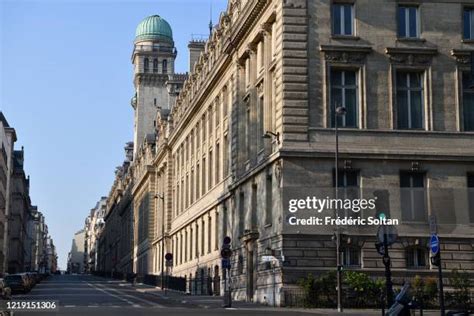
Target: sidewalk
[
  {"x": 215, "y": 302},
  {"x": 202, "y": 301}
]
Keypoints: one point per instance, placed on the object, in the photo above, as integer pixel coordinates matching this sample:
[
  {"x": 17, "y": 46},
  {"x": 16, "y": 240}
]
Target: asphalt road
[{"x": 89, "y": 295}]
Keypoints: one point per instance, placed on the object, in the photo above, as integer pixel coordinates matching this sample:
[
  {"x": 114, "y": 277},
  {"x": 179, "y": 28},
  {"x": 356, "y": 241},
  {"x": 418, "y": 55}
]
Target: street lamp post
[
  {"x": 162, "y": 198},
  {"x": 339, "y": 111}
]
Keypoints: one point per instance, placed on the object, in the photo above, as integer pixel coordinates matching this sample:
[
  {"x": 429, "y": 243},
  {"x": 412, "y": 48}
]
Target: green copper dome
[{"x": 154, "y": 28}]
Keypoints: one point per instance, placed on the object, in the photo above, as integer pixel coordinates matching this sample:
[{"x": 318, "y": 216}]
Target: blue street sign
[{"x": 434, "y": 244}]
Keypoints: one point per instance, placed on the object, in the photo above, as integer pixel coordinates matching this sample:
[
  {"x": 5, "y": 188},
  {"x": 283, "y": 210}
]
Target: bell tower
[{"x": 153, "y": 59}]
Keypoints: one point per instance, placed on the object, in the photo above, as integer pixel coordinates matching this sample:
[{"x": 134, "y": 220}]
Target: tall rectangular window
[
  {"x": 347, "y": 179},
  {"x": 470, "y": 192},
  {"x": 261, "y": 122},
  {"x": 269, "y": 200},
  {"x": 343, "y": 19},
  {"x": 410, "y": 100},
  {"x": 196, "y": 252},
  {"x": 186, "y": 192},
  {"x": 226, "y": 156},
  {"x": 241, "y": 213},
  {"x": 210, "y": 119},
  {"x": 468, "y": 23},
  {"x": 216, "y": 231},
  {"x": 192, "y": 186},
  {"x": 209, "y": 234},
  {"x": 218, "y": 112},
  {"x": 412, "y": 196},
  {"x": 226, "y": 101},
  {"x": 198, "y": 183},
  {"x": 146, "y": 65},
  {"x": 218, "y": 163},
  {"x": 191, "y": 244},
  {"x": 254, "y": 210},
  {"x": 165, "y": 66},
  {"x": 182, "y": 196},
  {"x": 186, "y": 246},
  {"x": 348, "y": 186},
  {"x": 203, "y": 176},
  {"x": 408, "y": 22},
  {"x": 247, "y": 72},
  {"x": 467, "y": 102},
  {"x": 247, "y": 131},
  {"x": 198, "y": 133},
  {"x": 203, "y": 125},
  {"x": 344, "y": 92},
  {"x": 202, "y": 236},
  {"x": 192, "y": 142},
  {"x": 210, "y": 179}
]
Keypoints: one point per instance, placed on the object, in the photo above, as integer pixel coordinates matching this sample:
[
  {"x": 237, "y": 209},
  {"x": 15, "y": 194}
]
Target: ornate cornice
[
  {"x": 411, "y": 56},
  {"x": 463, "y": 56},
  {"x": 344, "y": 53}
]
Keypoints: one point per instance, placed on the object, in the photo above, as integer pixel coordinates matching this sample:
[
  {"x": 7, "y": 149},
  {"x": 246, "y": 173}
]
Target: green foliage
[
  {"x": 310, "y": 290},
  {"x": 360, "y": 289},
  {"x": 319, "y": 292},
  {"x": 424, "y": 290},
  {"x": 462, "y": 284}
]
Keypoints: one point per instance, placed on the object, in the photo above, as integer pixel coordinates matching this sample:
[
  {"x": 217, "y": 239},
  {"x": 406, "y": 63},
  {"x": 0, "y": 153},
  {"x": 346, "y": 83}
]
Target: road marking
[
  {"x": 69, "y": 306},
  {"x": 110, "y": 294},
  {"x": 135, "y": 298}
]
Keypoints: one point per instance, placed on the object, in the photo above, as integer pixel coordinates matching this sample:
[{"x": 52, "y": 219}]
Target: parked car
[
  {"x": 29, "y": 280},
  {"x": 5, "y": 291},
  {"x": 18, "y": 283}
]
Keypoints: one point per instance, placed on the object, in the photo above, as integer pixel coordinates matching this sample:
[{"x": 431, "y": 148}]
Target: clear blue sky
[{"x": 65, "y": 86}]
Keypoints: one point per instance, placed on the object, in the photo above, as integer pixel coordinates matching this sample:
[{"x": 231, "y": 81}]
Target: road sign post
[
  {"x": 436, "y": 260},
  {"x": 169, "y": 263},
  {"x": 226, "y": 253},
  {"x": 387, "y": 235}
]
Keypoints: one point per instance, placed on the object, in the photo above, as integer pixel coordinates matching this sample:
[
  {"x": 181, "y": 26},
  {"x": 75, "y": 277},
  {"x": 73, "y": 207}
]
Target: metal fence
[
  {"x": 169, "y": 282},
  {"x": 205, "y": 285}
]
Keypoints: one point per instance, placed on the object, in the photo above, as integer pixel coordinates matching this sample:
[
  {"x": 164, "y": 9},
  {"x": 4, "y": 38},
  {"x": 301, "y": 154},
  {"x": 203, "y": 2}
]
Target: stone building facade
[
  {"x": 93, "y": 227},
  {"x": 253, "y": 127},
  {"x": 22, "y": 228},
  {"x": 75, "y": 260},
  {"x": 7, "y": 140},
  {"x": 20, "y": 208}
]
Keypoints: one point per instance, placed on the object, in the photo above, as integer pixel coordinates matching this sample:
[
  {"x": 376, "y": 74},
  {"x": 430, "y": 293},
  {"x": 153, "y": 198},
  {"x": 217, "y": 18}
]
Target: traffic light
[
  {"x": 436, "y": 260},
  {"x": 226, "y": 251}
]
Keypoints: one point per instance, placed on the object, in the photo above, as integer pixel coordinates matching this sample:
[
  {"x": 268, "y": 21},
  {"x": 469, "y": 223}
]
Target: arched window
[
  {"x": 165, "y": 66},
  {"x": 155, "y": 65},
  {"x": 146, "y": 65},
  {"x": 416, "y": 257}
]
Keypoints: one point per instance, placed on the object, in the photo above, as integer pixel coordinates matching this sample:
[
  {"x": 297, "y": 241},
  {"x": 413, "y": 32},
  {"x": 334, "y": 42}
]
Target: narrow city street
[{"x": 90, "y": 295}]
